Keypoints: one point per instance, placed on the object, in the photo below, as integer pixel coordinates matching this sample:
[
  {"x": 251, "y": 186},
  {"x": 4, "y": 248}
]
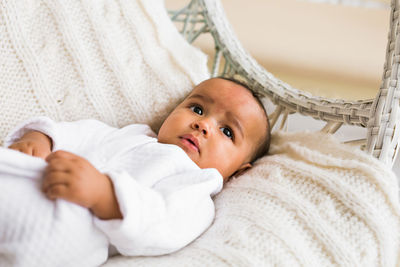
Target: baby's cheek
[{"x": 226, "y": 166}]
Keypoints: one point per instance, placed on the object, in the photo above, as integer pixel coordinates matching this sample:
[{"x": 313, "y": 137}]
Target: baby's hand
[
  {"x": 73, "y": 178},
  {"x": 34, "y": 144}
]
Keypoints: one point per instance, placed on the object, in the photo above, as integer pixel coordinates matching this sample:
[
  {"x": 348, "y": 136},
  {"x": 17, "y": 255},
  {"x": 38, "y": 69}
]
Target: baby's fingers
[
  {"x": 54, "y": 178},
  {"x": 58, "y": 165},
  {"x": 57, "y": 191},
  {"x": 61, "y": 154}
]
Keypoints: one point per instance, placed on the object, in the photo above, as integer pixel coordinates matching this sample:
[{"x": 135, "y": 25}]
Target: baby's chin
[
  {"x": 194, "y": 159},
  {"x": 202, "y": 166}
]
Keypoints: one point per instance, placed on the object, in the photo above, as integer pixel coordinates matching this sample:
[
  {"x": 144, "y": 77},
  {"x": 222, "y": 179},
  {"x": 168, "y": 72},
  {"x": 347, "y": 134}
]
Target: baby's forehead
[
  {"x": 233, "y": 98},
  {"x": 225, "y": 90}
]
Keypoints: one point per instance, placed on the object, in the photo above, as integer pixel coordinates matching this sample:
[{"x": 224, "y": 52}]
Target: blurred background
[{"x": 327, "y": 49}]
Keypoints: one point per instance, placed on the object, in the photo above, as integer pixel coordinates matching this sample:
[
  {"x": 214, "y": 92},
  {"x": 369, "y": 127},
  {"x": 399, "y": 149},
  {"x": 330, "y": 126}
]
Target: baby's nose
[{"x": 203, "y": 127}]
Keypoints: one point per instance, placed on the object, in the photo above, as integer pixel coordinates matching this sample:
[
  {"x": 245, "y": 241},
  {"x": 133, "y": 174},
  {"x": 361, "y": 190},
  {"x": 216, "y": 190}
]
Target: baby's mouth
[{"x": 190, "y": 142}]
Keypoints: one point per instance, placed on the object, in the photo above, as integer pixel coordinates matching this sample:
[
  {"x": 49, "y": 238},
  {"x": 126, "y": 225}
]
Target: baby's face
[{"x": 218, "y": 125}]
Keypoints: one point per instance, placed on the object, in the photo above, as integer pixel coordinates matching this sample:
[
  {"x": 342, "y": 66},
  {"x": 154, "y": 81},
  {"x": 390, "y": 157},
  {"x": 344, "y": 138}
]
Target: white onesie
[{"x": 165, "y": 198}]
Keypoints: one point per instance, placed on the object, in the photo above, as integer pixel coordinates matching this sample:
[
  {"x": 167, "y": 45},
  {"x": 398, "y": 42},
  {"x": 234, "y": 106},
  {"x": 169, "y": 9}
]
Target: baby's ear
[{"x": 242, "y": 169}]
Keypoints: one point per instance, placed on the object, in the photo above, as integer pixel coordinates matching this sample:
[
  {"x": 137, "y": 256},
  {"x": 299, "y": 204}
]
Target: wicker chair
[{"x": 379, "y": 115}]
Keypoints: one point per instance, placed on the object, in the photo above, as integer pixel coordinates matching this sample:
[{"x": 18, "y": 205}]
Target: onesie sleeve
[
  {"x": 165, "y": 217},
  {"x": 70, "y": 136}
]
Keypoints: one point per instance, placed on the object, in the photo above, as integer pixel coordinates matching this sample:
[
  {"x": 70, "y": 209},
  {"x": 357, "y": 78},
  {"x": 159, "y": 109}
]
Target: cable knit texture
[
  {"x": 312, "y": 202},
  {"x": 119, "y": 61}
]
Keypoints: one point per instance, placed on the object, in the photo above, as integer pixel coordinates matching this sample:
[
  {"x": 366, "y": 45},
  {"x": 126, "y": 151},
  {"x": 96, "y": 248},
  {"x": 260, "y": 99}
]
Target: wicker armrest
[{"x": 379, "y": 115}]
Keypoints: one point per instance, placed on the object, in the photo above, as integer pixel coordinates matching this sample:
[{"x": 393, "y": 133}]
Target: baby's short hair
[{"x": 263, "y": 148}]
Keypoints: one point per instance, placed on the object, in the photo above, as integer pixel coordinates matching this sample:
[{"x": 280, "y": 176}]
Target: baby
[{"x": 147, "y": 194}]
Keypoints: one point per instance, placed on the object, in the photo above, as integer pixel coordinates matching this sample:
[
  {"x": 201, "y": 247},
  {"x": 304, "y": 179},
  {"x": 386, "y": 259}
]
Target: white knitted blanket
[
  {"x": 313, "y": 202},
  {"x": 118, "y": 61}
]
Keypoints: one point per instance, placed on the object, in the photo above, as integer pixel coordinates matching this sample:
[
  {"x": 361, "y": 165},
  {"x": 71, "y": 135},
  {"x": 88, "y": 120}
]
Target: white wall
[{"x": 331, "y": 50}]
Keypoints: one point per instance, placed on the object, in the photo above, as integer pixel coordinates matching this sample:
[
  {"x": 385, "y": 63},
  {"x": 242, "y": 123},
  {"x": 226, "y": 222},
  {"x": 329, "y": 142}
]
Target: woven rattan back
[{"x": 379, "y": 115}]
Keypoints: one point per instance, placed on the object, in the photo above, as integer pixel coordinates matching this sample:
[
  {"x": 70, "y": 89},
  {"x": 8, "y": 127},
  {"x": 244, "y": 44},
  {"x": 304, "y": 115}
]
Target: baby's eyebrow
[
  {"x": 235, "y": 121},
  {"x": 203, "y": 97}
]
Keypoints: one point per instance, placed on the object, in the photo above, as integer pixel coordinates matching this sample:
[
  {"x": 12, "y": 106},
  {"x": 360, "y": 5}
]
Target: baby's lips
[{"x": 193, "y": 140}]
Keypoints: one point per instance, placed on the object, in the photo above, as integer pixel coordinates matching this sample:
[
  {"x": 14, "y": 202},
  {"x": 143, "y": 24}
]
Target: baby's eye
[
  {"x": 197, "y": 109},
  {"x": 227, "y": 131}
]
